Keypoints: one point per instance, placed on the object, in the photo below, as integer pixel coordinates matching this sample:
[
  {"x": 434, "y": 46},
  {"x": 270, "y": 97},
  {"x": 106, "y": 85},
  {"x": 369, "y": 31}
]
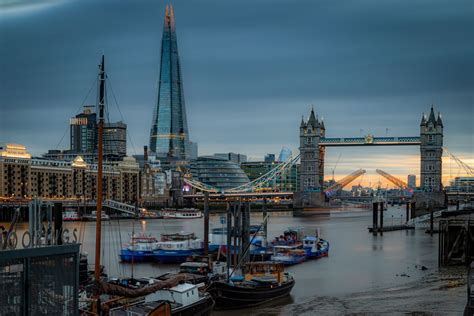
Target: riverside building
[{"x": 23, "y": 176}]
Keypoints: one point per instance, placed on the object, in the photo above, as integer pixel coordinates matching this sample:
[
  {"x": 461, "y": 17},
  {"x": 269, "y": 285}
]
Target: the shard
[{"x": 169, "y": 138}]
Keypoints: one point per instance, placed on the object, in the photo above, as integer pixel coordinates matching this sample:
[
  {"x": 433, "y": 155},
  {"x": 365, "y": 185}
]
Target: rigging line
[
  {"x": 82, "y": 105},
  {"x": 121, "y": 115}
]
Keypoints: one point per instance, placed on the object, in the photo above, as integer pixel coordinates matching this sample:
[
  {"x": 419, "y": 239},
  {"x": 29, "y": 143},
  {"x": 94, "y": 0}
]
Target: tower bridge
[{"x": 313, "y": 143}]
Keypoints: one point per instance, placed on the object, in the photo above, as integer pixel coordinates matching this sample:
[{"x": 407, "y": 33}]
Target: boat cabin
[
  {"x": 311, "y": 242},
  {"x": 183, "y": 294},
  {"x": 264, "y": 269}
]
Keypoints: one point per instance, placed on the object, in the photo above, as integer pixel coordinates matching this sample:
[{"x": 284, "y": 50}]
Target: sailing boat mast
[{"x": 98, "y": 230}]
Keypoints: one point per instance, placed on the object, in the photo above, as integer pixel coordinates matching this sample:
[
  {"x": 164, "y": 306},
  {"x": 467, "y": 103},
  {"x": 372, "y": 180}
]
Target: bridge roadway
[{"x": 247, "y": 194}]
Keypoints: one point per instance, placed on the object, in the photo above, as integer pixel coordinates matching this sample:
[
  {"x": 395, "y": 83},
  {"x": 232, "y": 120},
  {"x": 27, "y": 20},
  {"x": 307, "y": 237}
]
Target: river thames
[{"x": 362, "y": 274}]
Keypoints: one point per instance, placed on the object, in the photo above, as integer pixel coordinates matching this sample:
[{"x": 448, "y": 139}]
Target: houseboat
[
  {"x": 93, "y": 216},
  {"x": 263, "y": 282},
  {"x": 175, "y": 248},
  {"x": 140, "y": 248}
]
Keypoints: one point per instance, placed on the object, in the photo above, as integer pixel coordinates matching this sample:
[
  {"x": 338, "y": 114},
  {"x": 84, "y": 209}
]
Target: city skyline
[{"x": 361, "y": 82}]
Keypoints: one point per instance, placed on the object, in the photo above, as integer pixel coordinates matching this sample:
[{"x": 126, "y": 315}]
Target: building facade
[
  {"x": 462, "y": 184},
  {"x": 431, "y": 149},
  {"x": 169, "y": 138},
  {"x": 115, "y": 140},
  {"x": 218, "y": 172},
  {"x": 23, "y": 176}
]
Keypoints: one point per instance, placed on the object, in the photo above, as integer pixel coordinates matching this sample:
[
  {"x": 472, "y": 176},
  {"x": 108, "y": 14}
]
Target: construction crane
[
  {"x": 399, "y": 183},
  {"x": 468, "y": 169},
  {"x": 344, "y": 181},
  {"x": 335, "y": 166}
]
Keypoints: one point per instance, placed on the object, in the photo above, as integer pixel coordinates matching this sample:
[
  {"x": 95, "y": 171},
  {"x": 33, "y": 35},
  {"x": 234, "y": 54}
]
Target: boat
[
  {"x": 199, "y": 270},
  {"x": 181, "y": 213},
  {"x": 315, "y": 247},
  {"x": 149, "y": 214},
  {"x": 71, "y": 216},
  {"x": 175, "y": 248},
  {"x": 290, "y": 237},
  {"x": 288, "y": 254},
  {"x": 140, "y": 248},
  {"x": 92, "y": 217},
  {"x": 183, "y": 299},
  {"x": 263, "y": 282}
]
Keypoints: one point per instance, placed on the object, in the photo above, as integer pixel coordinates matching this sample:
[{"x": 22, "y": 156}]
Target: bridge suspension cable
[
  {"x": 250, "y": 186},
  {"x": 468, "y": 169}
]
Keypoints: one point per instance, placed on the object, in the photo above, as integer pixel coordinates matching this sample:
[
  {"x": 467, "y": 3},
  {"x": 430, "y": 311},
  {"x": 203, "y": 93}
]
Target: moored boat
[
  {"x": 288, "y": 255},
  {"x": 181, "y": 213},
  {"x": 315, "y": 247},
  {"x": 71, "y": 216},
  {"x": 92, "y": 216},
  {"x": 263, "y": 282},
  {"x": 140, "y": 248},
  {"x": 175, "y": 248}
]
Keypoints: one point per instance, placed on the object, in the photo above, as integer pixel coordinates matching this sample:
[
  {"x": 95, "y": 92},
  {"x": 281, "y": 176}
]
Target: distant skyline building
[
  {"x": 237, "y": 158},
  {"x": 269, "y": 158},
  {"x": 83, "y": 131},
  {"x": 84, "y": 139},
  {"x": 411, "y": 181},
  {"x": 169, "y": 138},
  {"x": 285, "y": 153},
  {"x": 218, "y": 172}
]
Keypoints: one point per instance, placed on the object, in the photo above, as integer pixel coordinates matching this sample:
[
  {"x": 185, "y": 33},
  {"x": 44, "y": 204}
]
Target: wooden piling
[
  {"x": 431, "y": 220},
  {"x": 374, "y": 218},
  {"x": 381, "y": 219},
  {"x": 206, "y": 223},
  {"x": 408, "y": 212},
  {"x": 413, "y": 210},
  {"x": 229, "y": 233}
]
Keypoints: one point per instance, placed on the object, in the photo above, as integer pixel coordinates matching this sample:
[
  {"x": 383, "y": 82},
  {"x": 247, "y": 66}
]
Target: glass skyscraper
[{"x": 169, "y": 138}]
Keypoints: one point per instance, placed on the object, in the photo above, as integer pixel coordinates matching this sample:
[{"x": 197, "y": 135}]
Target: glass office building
[
  {"x": 169, "y": 132},
  {"x": 218, "y": 172}
]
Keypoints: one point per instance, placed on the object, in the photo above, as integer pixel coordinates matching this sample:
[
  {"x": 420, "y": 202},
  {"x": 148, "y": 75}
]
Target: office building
[
  {"x": 169, "y": 138},
  {"x": 218, "y": 172},
  {"x": 411, "y": 181},
  {"x": 237, "y": 158}
]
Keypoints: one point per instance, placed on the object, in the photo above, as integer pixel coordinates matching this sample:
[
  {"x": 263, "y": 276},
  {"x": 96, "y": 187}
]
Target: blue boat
[
  {"x": 175, "y": 248},
  {"x": 139, "y": 249},
  {"x": 315, "y": 247},
  {"x": 288, "y": 254}
]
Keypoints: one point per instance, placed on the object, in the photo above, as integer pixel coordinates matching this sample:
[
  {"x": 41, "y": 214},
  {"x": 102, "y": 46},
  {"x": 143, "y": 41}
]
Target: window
[
  {"x": 430, "y": 138},
  {"x": 309, "y": 140}
]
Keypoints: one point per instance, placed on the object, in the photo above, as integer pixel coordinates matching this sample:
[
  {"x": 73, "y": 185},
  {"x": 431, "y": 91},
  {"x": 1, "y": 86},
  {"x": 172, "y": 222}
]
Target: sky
[{"x": 251, "y": 69}]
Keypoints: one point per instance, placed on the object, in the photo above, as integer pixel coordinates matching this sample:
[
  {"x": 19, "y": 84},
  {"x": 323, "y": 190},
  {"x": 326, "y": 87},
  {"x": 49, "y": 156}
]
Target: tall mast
[{"x": 98, "y": 229}]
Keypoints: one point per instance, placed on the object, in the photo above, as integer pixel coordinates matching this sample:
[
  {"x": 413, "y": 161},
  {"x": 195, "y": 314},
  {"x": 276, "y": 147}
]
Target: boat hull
[
  {"x": 229, "y": 296},
  {"x": 202, "y": 307},
  {"x": 127, "y": 255},
  {"x": 175, "y": 256}
]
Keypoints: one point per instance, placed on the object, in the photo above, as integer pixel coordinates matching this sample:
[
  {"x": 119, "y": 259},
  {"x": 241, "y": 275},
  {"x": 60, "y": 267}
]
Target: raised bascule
[{"x": 313, "y": 143}]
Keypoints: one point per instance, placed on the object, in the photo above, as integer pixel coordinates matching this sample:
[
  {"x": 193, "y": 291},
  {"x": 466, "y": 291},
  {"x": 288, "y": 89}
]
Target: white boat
[
  {"x": 69, "y": 216},
  {"x": 181, "y": 213},
  {"x": 175, "y": 248},
  {"x": 140, "y": 248},
  {"x": 92, "y": 216}
]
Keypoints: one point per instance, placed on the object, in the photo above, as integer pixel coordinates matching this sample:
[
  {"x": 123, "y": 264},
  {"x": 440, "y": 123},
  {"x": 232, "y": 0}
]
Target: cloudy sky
[{"x": 251, "y": 69}]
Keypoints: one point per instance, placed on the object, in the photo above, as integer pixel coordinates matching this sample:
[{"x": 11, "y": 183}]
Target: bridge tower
[
  {"x": 311, "y": 172},
  {"x": 431, "y": 151},
  {"x": 431, "y": 148},
  {"x": 312, "y": 155}
]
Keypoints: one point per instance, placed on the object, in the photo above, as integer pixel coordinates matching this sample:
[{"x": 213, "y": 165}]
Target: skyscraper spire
[{"x": 169, "y": 132}]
